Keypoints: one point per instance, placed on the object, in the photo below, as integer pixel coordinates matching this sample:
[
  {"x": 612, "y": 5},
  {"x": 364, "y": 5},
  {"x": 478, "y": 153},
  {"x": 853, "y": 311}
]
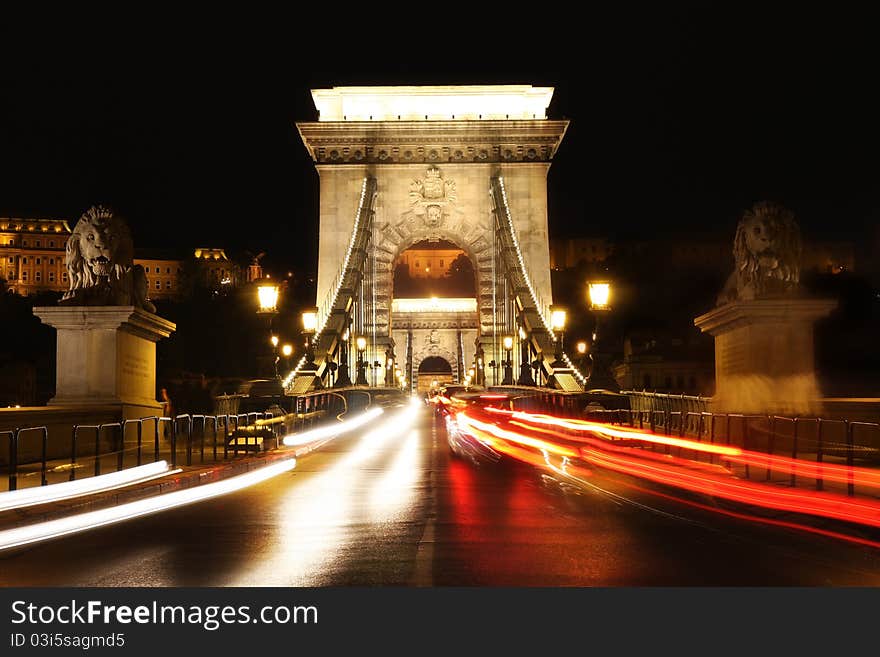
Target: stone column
[
  {"x": 764, "y": 354},
  {"x": 106, "y": 355}
]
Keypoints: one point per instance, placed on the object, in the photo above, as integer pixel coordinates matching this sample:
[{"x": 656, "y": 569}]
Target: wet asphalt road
[{"x": 394, "y": 508}]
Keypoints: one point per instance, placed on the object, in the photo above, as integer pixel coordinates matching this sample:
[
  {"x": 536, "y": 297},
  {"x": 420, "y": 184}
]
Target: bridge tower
[{"x": 464, "y": 166}]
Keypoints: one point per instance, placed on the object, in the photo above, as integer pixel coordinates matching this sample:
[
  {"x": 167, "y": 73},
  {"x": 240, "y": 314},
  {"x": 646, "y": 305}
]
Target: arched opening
[
  {"x": 434, "y": 269},
  {"x": 434, "y": 372}
]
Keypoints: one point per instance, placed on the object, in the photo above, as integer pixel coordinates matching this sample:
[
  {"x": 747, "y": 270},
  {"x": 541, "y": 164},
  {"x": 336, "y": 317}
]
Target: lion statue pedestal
[
  {"x": 763, "y": 325},
  {"x": 106, "y": 355},
  {"x": 764, "y": 355},
  {"x": 107, "y": 329}
]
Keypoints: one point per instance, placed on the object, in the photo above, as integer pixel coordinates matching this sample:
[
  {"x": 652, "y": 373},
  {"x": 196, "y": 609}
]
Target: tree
[{"x": 461, "y": 279}]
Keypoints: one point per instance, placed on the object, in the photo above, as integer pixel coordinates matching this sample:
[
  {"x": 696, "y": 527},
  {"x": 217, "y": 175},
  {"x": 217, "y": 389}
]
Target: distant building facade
[
  {"x": 428, "y": 263},
  {"x": 574, "y": 253},
  {"x": 219, "y": 269},
  {"x": 32, "y": 254},
  {"x": 666, "y": 365}
]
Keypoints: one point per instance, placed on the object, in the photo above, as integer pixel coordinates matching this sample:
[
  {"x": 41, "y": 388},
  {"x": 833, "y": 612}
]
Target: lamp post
[
  {"x": 267, "y": 297},
  {"x": 389, "y": 368},
  {"x": 361, "y": 343},
  {"x": 557, "y": 323},
  {"x": 507, "y": 342},
  {"x": 525, "y": 368},
  {"x": 343, "y": 380},
  {"x": 287, "y": 351},
  {"x": 599, "y": 293},
  {"x": 581, "y": 348},
  {"x": 310, "y": 323},
  {"x": 274, "y": 340}
]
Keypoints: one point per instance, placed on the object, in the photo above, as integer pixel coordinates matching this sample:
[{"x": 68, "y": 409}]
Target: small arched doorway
[{"x": 434, "y": 371}]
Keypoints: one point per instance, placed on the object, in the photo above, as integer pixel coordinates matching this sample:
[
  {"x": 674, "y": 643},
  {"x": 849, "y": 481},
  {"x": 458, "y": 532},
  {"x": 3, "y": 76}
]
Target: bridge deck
[{"x": 396, "y": 508}]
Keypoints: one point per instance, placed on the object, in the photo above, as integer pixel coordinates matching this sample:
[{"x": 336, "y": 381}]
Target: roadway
[{"x": 392, "y": 507}]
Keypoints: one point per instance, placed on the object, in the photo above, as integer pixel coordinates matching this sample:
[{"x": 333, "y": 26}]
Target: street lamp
[
  {"x": 267, "y": 294},
  {"x": 525, "y": 370},
  {"x": 557, "y": 323},
  {"x": 286, "y": 351},
  {"x": 310, "y": 324},
  {"x": 507, "y": 342},
  {"x": 599, "y": 293},
  {"x": 389, "y": 368},
  {"x": 274, "y": 340},
  {"x": 343, "y": 380},
  {"x": 581, "y": 347},
  {"x": 361, "y": 344},
  {"x": 267, "y": 298}
]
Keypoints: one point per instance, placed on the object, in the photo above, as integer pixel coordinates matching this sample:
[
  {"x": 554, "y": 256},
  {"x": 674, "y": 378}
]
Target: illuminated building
[
  {"x": 32, "y": 254},
  {"x": 428, "y": 263}
]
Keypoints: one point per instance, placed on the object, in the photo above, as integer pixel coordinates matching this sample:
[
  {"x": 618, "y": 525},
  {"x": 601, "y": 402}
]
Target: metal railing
[
  {"x": 130, "y": 443},
  {"x": 661, "y": 401}
]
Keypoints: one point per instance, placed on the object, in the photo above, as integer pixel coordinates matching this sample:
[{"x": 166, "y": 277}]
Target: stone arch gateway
[{"x": 431, "y": 154}]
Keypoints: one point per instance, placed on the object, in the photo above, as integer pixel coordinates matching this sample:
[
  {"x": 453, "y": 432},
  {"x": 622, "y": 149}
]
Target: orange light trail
[
  {"x": 468, "y": 424},
  {"x": 631, "y": 434},
  {"x": 856, "y": 475},
  {"x": 678, "y": 472}
]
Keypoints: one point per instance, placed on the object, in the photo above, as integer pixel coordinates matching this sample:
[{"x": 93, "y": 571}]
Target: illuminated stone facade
[
  {"x": 32, "y": 254},
  {"x": 163, "y": 276},
  {"x": 428, "y": 263},
  {"x": 433, "y": 166}
]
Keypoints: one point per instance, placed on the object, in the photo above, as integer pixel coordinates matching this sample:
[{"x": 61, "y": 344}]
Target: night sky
[{"x": 679, "y": 122}]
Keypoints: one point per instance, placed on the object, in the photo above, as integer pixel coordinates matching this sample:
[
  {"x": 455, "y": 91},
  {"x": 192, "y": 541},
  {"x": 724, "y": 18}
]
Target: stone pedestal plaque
[
  {"x": 106, "y": 355},
  {"x": 764, "y": 354}
]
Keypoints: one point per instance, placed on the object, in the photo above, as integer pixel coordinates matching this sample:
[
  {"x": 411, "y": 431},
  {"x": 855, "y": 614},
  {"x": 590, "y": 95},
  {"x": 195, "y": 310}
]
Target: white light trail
[
  {"x": 294, "y": 439},
  {"x": 315, "y": 517},
  {"x": 43, "y": 531},
  {"x": 16, "y": 499}
]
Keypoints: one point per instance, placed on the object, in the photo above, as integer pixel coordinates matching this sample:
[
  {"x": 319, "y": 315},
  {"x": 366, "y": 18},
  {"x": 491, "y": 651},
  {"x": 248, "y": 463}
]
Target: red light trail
[{"x": 582, "y": 443}]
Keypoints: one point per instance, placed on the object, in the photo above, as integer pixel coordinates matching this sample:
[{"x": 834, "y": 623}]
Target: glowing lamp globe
[
  {"x": 268, "y": 297},
  {"x": 310, "y": 320},
  {"x": 600, "y": 295},
  {"x": 557, "y": 318}
]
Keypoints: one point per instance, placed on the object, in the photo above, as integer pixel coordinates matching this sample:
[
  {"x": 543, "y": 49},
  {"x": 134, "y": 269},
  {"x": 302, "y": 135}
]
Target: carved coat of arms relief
[{"x": 432, "y": 198}]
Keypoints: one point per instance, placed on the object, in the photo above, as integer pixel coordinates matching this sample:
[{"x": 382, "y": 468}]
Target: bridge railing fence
[{"x": 96, "y": 449}]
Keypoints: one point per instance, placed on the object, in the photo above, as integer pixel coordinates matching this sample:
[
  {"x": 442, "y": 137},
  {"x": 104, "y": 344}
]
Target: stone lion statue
[
  {"x": 100, "y": 264},
  {"x": 767, "y": 254}
]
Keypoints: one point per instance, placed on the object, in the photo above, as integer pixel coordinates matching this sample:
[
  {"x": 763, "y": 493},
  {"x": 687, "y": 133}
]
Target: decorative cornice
[
  {"x": 763, "y": 311},
  {"x": 416, "y": 142}
]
